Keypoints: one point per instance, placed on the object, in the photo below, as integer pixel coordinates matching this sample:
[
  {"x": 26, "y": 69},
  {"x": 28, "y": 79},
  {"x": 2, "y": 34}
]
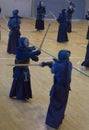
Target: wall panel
[
  {"x": 57, "y": 5},
  {"x": 24, "y": 7}
]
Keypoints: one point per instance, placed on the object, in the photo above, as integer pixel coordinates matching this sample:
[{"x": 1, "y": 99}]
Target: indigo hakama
[
  {"x": 87, "y": 36},
  {"x": 21, "y": 85}
]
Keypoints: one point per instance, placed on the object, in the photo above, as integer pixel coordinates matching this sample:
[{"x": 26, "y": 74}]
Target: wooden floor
[{"x": 30, "y": 115}]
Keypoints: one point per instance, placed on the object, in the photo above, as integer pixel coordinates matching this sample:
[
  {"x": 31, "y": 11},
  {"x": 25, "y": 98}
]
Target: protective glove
[
  {"x": 49, "y": 64},
  {"x": 37, "y": 52},
  {"x": 35, "y": 58}
]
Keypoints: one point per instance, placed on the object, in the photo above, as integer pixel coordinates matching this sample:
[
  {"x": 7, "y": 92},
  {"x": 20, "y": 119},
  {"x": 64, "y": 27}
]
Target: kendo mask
[
  {"x": 22, "y": 42},
  {"x": 64, "y": 55},
  {"x": 15, "y": 12}
]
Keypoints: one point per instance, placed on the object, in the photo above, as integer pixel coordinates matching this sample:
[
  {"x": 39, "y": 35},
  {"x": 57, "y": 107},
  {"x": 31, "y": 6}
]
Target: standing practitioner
[
  {"x": 62, "y": 31},
  {"x": 0, "y": 9},
  {"x": 70, "y": 12},
  {"x": 41, "y": 11},
  {"x": 21, "y": 85},
  {"x": 61, "y": 69},
  {"x": 14, "y": 34},
  {"x": 87, "y": 18},
  {"x": 85, "y": 63}
]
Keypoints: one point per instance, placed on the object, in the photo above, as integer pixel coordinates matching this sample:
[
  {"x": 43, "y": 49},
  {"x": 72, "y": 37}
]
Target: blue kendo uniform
[
  {"x": 86, "y": 61},
  {"x": 62, "y": 31},
  {"x": 87, "y": 15},
  {"x": 61, "y": 69},
  {"x": 70, "y": 12},
  {"x": 41, "y": 11},
  {"x": 87, "y": 18},
  {"x": 0, "y": 10},
  {"x": 21, "y": 85},
  {"x": 14, "y": 34}
]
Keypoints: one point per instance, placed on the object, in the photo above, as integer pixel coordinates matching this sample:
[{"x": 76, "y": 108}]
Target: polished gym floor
[{"x": 31, "y": 114}]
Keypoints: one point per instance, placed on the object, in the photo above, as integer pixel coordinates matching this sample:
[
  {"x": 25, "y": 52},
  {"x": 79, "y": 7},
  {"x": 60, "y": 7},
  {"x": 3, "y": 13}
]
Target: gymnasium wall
[
  {"x": 24, "y": 6},
  {"x": 27, "y": 8},
  {"x": 86, "y": 4},
  {"x": 55, "y": 6}
]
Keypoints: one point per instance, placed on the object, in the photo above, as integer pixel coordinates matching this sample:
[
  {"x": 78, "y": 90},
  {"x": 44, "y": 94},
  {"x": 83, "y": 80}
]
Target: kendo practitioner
[
  {"x": 21, "y": 85},
  {"x": 70, "y": 12},
  {"x": 0, "y": 9},
  {"x": 62, "y": 31},
  {"x": 59, "y": 92},
  {"x": 14, "y": 34},
  {"x": 87, "y": 18},
  {"x": 41, "y": 11},
  {"x": 85, "y": 63}
]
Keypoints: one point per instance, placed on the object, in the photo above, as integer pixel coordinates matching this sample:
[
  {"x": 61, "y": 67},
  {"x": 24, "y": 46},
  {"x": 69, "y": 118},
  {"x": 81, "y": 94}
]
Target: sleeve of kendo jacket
[{"x": 22, "y": 54}]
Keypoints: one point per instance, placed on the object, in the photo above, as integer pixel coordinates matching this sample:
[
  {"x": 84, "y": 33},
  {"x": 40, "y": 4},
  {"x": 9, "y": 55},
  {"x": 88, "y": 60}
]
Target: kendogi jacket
[
  {"x": 23, "y": 55},
  {"x": 70, "y": 11},
  {"x": 87, "y": 15},
  {"x": 61, "y": 69},
  {"x": 41, "y": 12},
  {"x": 14, "y": 23}
]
